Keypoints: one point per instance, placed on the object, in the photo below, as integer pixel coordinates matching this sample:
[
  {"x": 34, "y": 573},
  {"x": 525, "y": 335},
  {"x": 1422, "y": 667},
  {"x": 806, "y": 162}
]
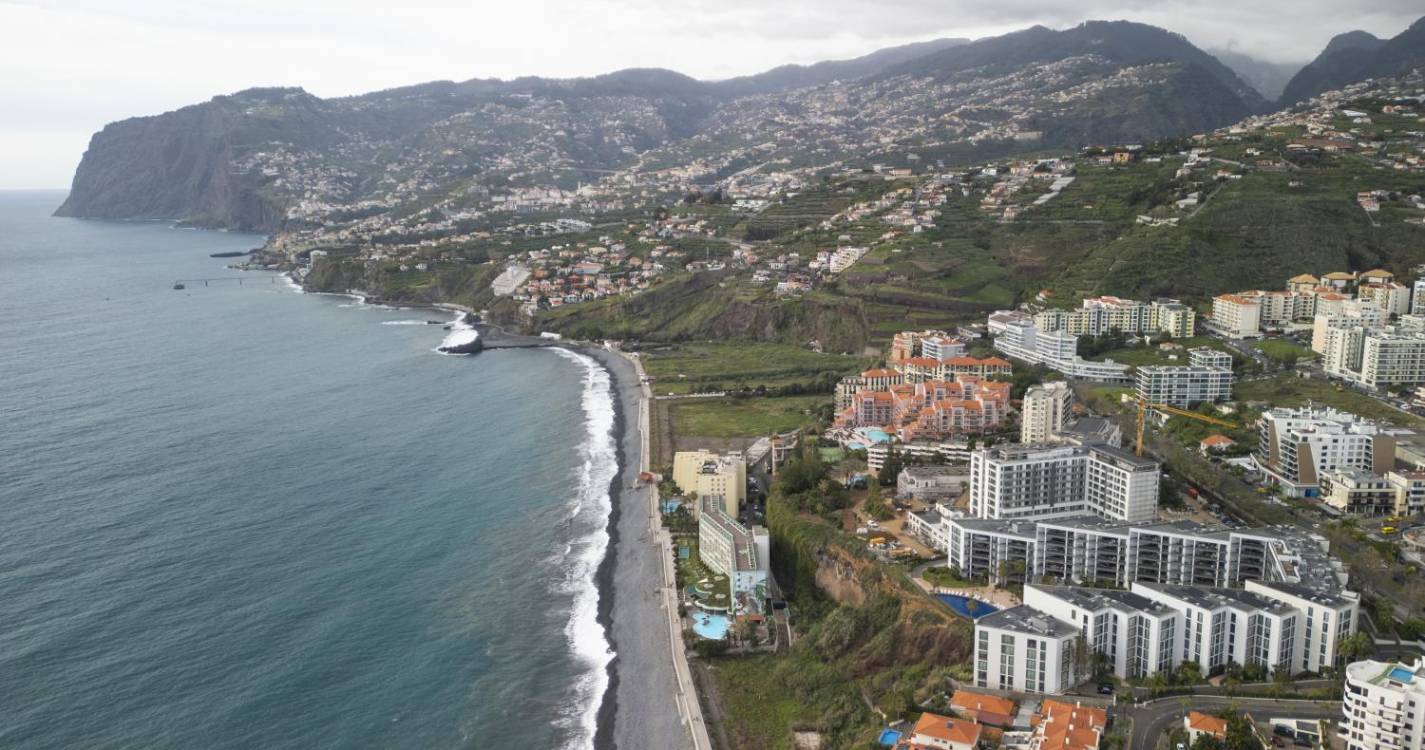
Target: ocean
[{"x": 238, "y": 516}]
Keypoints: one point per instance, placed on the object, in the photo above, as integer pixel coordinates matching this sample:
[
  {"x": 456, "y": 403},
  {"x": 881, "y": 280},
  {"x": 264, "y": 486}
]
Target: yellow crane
[{"x": 1144, "y": 407}]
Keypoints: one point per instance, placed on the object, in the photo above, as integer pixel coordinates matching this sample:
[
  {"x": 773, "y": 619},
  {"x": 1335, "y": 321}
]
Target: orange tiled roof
[
  {"x": 980, "y": 702},
  {"x": 947, "y": 729},
  {"x": 1202, "y": 722}
]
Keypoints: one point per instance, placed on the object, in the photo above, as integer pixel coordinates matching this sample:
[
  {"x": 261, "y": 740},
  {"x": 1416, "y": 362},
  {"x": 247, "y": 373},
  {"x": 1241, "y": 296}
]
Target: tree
[{"x": 1357, "y": 646}]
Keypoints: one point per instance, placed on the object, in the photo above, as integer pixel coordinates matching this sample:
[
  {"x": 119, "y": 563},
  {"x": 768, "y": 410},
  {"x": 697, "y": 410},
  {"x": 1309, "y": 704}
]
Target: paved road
[{"x": 1151, "y": 720}]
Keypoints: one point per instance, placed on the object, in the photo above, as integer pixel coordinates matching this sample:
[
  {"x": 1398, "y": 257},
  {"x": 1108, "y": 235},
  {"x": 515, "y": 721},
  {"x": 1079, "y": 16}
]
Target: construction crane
[{"x": 1144, "y": 407}]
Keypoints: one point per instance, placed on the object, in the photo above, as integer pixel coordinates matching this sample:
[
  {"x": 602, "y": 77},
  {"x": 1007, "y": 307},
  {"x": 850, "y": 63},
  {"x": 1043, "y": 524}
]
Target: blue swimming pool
[
  {"x": 710, "y": 626},
  {"x": 966, "y": 607},
  {"x": 889, "y": 737},
  {"x": 1401, "y": 674}
]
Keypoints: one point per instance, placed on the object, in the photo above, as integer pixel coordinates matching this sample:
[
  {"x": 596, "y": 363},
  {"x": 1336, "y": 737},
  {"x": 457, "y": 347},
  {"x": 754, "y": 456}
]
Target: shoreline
[
  {"x": 603, "y": 738},
  {"x": 642, "y": 705}
]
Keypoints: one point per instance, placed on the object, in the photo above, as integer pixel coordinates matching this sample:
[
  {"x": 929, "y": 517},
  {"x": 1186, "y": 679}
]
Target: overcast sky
[{"x": 67, "y": 67}]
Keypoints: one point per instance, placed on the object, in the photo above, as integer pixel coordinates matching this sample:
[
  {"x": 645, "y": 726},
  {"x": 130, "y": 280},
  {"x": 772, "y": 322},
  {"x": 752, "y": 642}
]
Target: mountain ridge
[
  {"x": 244, "y": 159},
  {"x": 1353, "y": 57}
]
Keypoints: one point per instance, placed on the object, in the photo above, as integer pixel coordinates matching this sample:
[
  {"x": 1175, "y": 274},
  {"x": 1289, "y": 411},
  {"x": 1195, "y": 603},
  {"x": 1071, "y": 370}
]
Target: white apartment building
[
  {"x": 1028, "y": 482},
  {"x": 997, "y": 551},
  {"x": 1157, "y": 627},
  {"x": 1383, "y": 707},
  {"x": 1390, "y": 297},
  {"x": 1328, "y": 617},
  {"x": 1236, "y": 316},
  {"x": 1417, "y": 298},
  {"x": 1043, "y": 411},
  {"x": 1298, "y": 446},
  {"x": 1058, "y": 350},
  {"x": 845, "y": 257},
  {"x": 1205, "y": 356},
  {"x": 942, "y": 347},
  {"x": 1374, "y": 357},
  {"x": 1183, "y": 385},
  {"x": 1100, "y": 315},
  {"x": 1229, "y": 626},
  {"x": 1139, "y": 636},
  {"x": 509, "y": 280},
  {"x": 1335, "y": 310},
  {"x": 1122, "y": 486},
  {"x": 1025, "y": 651},
  {"x": 740, "y": 553}
]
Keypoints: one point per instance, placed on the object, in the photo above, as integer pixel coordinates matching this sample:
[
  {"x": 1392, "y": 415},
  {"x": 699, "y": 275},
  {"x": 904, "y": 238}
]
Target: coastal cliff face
[{"x": 176, "y": 166}]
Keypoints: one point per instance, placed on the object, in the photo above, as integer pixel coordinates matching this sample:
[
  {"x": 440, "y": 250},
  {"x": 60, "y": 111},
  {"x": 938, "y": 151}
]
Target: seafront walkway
[{"x": 690, "y": 710}]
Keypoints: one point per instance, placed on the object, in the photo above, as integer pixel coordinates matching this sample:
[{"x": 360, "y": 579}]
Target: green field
[
  {"x": 715, "y": 366},
  {"x": 1284, "y": 351},
  {"x": 1289, "y": 390},
  {"x": 742, "y": 417}
]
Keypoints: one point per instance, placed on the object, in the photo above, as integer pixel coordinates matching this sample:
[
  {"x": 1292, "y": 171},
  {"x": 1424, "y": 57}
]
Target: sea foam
[
  {"x": 591, "y": 507},
  {"x": 461, "y": 334}
]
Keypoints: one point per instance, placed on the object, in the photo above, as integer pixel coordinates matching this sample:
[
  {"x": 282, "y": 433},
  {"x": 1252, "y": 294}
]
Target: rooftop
[
  {"x": 1099, "y": 599},
  {"x": 1027, "y": 620},
  {"x": 1208, "y": 597}
]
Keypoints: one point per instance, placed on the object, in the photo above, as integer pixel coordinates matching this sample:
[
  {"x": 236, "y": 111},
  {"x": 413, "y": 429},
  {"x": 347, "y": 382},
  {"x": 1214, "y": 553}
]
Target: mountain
[
  {"x": 799, "y": 76},
  {"x": 267, "y": 158},
  {"x": 1356, "y": 56},
  {"x": 1118, "y": 42},
  {"x": 1268, "y": 78}
]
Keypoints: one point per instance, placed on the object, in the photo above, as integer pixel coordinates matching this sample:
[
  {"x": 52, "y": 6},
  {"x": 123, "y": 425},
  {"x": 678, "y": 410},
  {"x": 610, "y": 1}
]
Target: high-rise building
[
  {"x": 1298, "y": 446},
  {"x": 1043, "y": 411},
  {"x": 1183, "y": 385},
  {"x": 712, "y": 475},
  {"x": 1236, "y": 316},
  {"x": 1055, "y": 481},
  {"x": 1026, "y": 651},
  {"x": 1383, "y": 706}
]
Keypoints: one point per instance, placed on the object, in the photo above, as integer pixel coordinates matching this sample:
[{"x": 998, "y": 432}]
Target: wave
[
  {"x": 461, "y": 334},
  {"x": 591, "y": 507},
  {"x": 293, "y": 285},
  {"x": 406, "y": 323}
]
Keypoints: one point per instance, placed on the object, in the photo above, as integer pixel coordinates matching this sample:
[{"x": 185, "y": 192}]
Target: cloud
[{"x": 70, "y": 66}]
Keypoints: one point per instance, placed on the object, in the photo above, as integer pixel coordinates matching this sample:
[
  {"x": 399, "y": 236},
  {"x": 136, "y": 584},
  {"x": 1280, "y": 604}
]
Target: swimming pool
[
  {"x": 889, "y": 737},
  {"x": 1401, "y": 674},
  {"x": 710, "y": 626},
  {"x": 966, "y": 607}
]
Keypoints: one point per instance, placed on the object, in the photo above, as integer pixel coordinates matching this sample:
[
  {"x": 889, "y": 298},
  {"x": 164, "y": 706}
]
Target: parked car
[{"x": 1105, "y": 688}]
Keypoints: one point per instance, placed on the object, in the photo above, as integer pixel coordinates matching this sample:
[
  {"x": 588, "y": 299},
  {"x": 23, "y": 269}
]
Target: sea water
[{"x": 238, "y": 516}]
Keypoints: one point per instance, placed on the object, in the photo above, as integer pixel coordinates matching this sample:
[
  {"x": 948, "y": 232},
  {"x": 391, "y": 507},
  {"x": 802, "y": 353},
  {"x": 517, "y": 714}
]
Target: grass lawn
[
  {"x": 1282, "y": 350},
  {"x": 713, "y": 366},
  {"x": 742, "y": 417},
  {"x": 1141, "y": 355},
  {"x": 759, "y": 712},
  {"x": 1288, "y": 390}
]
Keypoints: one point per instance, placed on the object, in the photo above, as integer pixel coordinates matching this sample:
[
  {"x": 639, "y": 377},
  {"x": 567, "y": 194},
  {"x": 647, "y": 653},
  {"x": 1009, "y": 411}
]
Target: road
[{"x": 1151, "y": 720}]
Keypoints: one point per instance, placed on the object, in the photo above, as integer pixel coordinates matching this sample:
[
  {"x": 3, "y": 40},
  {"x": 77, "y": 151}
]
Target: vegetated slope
[
  {"x": 1356, "y": 56},
  {"x": 701, "y": 306}
]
